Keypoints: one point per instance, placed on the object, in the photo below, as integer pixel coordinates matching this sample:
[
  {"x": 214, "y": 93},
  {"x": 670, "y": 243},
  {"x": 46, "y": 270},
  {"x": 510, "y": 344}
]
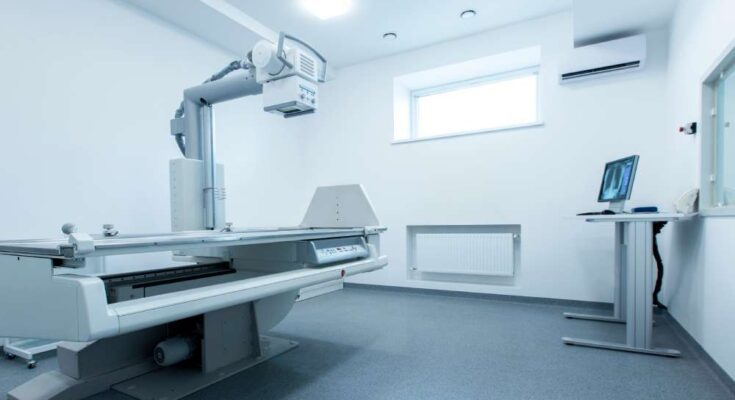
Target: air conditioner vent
[
  {"x": 601, "y": 70},
  {"x": 600, "y": 59}
]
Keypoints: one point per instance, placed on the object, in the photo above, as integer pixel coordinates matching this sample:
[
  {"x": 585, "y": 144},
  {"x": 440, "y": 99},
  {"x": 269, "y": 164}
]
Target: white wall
[
  {"x": 536, "y": 177},
  {"x": 88, "y": 88},
  {"x": 700, "y": 280},
  {"x": 264, "y": 156}
]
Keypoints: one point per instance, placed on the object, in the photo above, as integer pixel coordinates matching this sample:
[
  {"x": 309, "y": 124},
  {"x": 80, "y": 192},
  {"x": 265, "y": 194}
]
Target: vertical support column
[
  {"x": 619, "y": 310},
  {"x": 639, "y": 265},
  {"x": 210, "y": 189},
  {"x": 199, "y": 131},
  {"x": 192, "y": 129},
  {"x": 230, "y": 335}
]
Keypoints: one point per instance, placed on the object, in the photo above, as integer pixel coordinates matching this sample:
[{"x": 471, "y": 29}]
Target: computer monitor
[{"x": 617, "y": 182}]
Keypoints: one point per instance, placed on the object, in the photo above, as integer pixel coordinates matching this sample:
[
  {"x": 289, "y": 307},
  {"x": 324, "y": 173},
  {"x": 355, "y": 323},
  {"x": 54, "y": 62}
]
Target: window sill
[
  {"x": 450, "y": 135},
  {"x": 718, "y": 212}
]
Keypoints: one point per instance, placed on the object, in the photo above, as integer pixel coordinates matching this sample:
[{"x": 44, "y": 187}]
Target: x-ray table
[{"x": 634, "y": 280}]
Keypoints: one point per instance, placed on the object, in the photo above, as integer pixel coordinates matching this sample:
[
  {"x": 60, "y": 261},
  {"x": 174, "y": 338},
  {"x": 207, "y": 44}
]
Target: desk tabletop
[{"x": 638, "y": 217}]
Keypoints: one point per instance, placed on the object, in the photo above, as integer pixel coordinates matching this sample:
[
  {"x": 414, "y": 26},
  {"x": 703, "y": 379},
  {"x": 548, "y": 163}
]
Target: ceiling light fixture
[
  {"x": 467, "y": 14},
  {"x": 390, "y": 36},
  {"x": 325, "y": 9}
]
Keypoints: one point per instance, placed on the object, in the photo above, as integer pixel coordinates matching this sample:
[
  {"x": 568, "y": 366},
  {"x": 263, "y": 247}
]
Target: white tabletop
[
  {"x": 638, "y": 217},
  {"x": 142, "y": 243}
]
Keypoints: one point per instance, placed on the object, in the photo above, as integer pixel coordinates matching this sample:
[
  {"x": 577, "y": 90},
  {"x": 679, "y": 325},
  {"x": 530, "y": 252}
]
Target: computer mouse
[{"x": 608, "y": 212}]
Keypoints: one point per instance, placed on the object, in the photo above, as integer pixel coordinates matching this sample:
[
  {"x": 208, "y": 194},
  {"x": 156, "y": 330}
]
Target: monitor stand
[{"x": 617, "y": 206}]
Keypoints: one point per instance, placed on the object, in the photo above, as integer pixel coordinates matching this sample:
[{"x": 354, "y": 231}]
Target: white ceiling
[
  {"x": 357, "y": 36},
  {"x": 599, "y": 20},
  {"x": 200, "y": 20}
]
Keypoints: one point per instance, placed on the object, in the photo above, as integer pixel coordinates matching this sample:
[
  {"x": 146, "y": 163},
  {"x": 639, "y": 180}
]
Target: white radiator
[{"x": 489, "y": 254}]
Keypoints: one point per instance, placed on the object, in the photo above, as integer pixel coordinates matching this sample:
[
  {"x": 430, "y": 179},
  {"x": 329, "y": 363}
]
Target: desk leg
[
  {"x": 619, "y": 300},
  {"x": 640, "y": 297},
  {"x": 621, "y": 282},
  {"x": 639, "y": 309}
]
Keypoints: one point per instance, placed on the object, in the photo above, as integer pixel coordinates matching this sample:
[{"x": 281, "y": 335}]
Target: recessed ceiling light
[
  {"x": 325, "y": 9},
  {"x": 390, "y": 36},
  {"x": 467, "y": 14}
]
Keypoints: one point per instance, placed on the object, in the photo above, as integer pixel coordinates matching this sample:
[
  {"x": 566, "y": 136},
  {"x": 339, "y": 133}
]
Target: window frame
[
  {"x": 415, "y": 94},
  {"x": 718, "y": 153},
  {"x": 708, "y": 201}
]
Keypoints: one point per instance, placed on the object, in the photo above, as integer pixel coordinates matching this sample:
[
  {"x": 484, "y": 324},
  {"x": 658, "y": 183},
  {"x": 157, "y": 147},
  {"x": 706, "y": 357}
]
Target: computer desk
[{"x": 633, "y": 270}]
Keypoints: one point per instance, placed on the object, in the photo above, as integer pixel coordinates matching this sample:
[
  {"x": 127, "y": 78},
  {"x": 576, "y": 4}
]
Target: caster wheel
[
  {"x": 10, "y": 356},
  {"x": 31, "y": 364}
]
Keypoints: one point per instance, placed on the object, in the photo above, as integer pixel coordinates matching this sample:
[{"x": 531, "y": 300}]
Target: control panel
[
  {"x": 290, "y": 96},
  {"x": 307, "y": 94},
  {"x": 319, "y": 252}
]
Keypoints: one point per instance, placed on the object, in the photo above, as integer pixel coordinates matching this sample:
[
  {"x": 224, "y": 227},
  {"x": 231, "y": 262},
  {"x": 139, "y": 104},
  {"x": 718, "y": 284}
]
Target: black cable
[
  {"x": 657, "y": 227},
  {"x": 180, "y": 142}
]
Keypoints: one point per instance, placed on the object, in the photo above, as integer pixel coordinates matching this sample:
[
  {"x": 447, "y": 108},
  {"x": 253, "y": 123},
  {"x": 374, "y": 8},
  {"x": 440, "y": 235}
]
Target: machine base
[
  {"x": 55, "y": 385},
  {"x": 175, "y": 382},
  {"x": 621, "y": 347},
  {"x": 228, "y": 342},
  {"x": 144, "y": 380}
]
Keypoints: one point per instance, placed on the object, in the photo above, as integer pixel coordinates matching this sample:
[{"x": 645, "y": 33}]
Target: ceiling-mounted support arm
[
  {"x": 290, "y": 79},
  {"x": 177, "y": 123}
]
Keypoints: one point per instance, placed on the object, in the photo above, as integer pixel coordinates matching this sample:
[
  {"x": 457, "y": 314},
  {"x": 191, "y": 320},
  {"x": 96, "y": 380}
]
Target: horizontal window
[{"x": 479, "y": 105}]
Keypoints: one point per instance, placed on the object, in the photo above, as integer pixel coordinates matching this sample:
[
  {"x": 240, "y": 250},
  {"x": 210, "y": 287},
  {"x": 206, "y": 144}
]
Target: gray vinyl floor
[{"x": 376, "y": 344}]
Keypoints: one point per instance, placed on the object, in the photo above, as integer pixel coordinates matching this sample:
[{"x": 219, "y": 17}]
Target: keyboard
[{"x": 604, "y": 212}]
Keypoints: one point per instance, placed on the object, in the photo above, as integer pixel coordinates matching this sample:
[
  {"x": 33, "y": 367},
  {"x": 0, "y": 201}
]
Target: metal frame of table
[{"x": 634, "y": 282}]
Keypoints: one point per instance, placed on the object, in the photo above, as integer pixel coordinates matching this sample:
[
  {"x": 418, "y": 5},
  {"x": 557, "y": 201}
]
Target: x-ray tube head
[
  {"x": 265, "y": 59},
  {"x": 289, "y": 76},
  {"x": 273, "y": 62}
]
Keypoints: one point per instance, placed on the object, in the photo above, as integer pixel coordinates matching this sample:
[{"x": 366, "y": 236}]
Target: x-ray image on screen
[{"x": 617, "y": 180}]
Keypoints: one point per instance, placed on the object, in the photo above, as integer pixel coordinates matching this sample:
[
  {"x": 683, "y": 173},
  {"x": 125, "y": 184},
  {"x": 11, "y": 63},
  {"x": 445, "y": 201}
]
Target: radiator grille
[{"x": 490, "y": 254}]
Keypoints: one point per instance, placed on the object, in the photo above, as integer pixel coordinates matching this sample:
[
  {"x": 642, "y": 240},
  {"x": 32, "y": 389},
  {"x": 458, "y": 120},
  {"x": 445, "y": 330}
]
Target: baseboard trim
[
  {"x": 486, "y": 296},
  {"x": 697, "y": 350}
]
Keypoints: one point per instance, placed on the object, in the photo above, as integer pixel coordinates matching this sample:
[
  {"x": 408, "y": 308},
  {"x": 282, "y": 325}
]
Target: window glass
[
  {"x": 476, "y": 106},
  {"x": 725, "y": 143}
]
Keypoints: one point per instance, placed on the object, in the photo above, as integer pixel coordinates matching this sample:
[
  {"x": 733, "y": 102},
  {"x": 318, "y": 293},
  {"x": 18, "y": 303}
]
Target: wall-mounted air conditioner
[{"x": 603, "y": 59}]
